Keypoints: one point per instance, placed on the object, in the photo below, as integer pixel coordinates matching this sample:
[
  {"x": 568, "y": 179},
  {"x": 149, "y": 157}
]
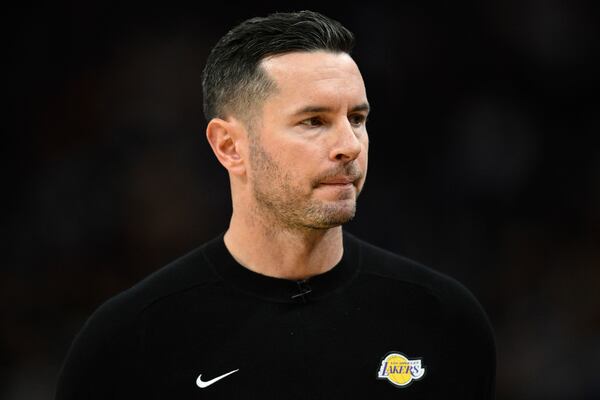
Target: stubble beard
[{"x": 286, "y": 205}]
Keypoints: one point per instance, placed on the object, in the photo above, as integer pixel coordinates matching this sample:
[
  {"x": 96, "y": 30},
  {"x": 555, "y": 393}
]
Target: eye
[
  {"x": 357, "y": 120},
  {"x": 313, "y": 122}
]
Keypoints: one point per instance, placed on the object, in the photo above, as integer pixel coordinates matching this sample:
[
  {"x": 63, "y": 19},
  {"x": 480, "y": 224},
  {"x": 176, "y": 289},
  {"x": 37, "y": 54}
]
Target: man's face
[{"x": 308, "y": 151}]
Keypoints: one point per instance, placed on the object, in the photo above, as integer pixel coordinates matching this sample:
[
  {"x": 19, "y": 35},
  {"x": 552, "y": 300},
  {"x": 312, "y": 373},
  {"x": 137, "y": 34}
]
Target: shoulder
[
  {"x": 386, "y": 264},
  {"x": 189, "y": 271},
  {"x": 108, "y": 343},
  {"x": 119, "y": 315},
  {"x": 467, "y": 329},
  {"x": 400, "y": 271}
]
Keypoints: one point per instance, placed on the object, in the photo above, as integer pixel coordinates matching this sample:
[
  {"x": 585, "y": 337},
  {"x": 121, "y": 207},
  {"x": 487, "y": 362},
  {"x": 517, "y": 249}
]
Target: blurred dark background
[{"x": 484, "y": 164}]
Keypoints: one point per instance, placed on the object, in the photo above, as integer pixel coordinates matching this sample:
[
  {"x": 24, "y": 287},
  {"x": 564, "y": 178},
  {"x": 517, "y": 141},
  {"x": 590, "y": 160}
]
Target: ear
[{"x": 226, "y": 138}]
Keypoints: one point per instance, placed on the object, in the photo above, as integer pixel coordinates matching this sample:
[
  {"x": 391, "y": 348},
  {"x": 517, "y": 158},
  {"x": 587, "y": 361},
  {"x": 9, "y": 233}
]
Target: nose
[{"x": 347, "y": 145}]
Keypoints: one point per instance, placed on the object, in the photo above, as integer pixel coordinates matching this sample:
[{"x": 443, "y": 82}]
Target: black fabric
[{"x": 322, "y": 338}]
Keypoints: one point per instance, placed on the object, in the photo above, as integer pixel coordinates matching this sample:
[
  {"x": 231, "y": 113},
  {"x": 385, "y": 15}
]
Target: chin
[{"x": 334, "y": 218}]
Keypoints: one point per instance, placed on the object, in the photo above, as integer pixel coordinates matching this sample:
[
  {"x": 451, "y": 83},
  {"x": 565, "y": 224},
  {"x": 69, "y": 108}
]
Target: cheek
[
  {"x": 292, "y": 166},
  {"x": 300, "y": 157},
  {"x": 365, "y": 141},
  {"x": 364, "y": 154}
]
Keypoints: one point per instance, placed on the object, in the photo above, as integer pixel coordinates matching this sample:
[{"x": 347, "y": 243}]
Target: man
[{"x": 284, "y": 304}]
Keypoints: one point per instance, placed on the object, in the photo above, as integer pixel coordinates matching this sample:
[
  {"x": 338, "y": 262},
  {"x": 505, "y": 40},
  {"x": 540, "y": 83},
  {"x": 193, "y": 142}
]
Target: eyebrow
[{"x": 318, "y": 109}]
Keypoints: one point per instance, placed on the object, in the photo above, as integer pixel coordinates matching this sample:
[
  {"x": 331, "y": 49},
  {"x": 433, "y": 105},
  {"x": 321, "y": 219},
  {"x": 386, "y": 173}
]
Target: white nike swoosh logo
[{"x": 201, "y": 384}]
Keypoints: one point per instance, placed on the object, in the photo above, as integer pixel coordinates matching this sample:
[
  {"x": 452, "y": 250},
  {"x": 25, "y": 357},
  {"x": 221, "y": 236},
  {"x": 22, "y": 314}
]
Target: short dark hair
[{"x": 232, "y": 81}]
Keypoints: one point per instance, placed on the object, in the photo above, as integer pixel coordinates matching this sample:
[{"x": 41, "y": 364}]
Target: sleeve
[
  {"x": 101, "y": 362},
  {"x": 471, "y": 345}
]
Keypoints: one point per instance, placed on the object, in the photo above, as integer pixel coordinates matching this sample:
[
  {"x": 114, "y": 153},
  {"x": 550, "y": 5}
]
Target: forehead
[{"x": 315, "y": 77}]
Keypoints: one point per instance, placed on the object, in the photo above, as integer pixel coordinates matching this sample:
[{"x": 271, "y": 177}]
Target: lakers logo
[{"x": 399, "y": 370}]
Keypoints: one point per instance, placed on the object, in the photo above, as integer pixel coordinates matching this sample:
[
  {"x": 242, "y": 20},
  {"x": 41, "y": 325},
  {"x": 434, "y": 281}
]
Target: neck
[{"x": 282, "y": 252}]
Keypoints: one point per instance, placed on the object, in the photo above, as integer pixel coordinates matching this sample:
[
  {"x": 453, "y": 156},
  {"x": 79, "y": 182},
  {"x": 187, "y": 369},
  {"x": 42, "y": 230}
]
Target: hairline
[{"x": 261, "y": 76}]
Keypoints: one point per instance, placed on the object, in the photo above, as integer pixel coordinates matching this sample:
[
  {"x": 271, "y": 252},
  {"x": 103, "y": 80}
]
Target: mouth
[{"x": 339, "y": 181}]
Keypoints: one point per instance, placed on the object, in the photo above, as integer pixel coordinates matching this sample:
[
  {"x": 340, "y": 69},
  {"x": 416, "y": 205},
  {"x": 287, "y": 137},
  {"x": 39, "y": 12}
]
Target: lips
[{"x": 338, "y": 180}]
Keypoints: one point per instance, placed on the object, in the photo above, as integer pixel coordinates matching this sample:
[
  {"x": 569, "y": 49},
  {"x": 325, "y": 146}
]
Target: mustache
[{"x": 351, "y": 171}]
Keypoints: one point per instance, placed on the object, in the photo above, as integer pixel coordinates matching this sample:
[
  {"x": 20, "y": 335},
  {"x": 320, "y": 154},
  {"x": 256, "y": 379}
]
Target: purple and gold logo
[{"x": 400, "y": 370}]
